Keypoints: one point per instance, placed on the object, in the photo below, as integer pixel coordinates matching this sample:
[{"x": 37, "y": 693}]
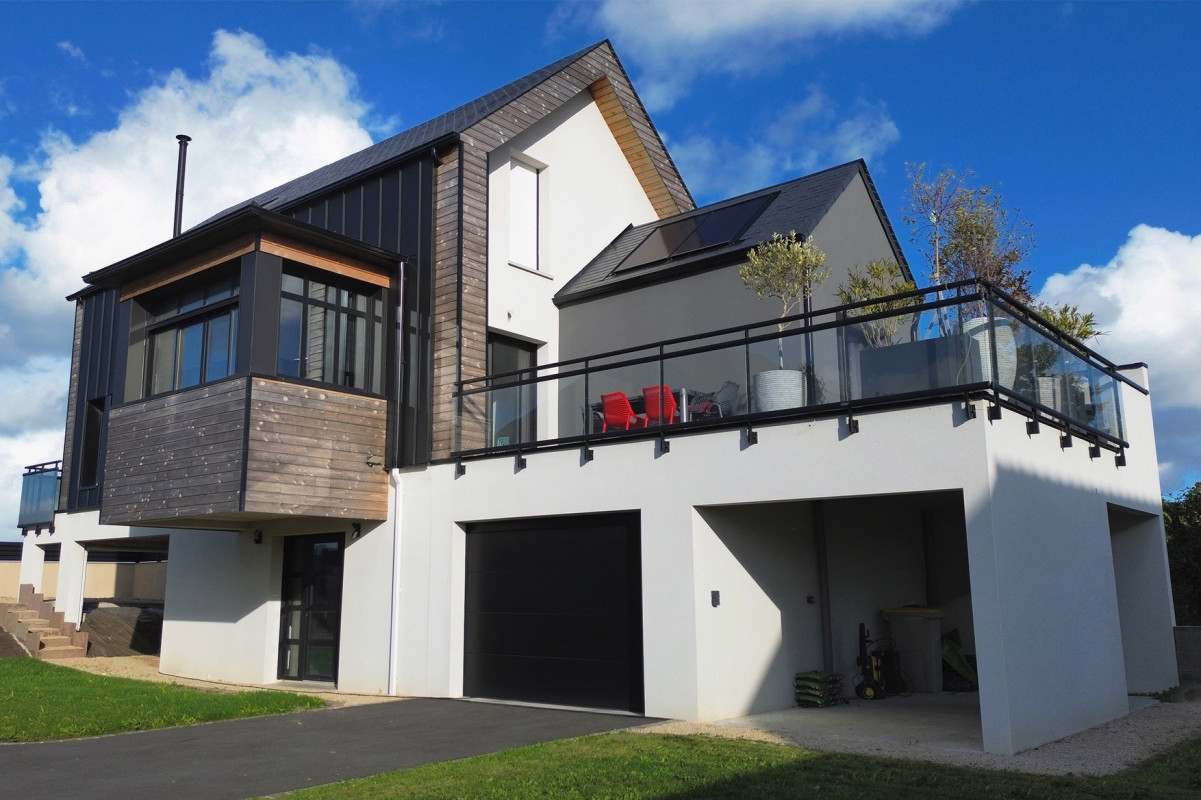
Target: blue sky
[{"x": 1087, "y": 116}]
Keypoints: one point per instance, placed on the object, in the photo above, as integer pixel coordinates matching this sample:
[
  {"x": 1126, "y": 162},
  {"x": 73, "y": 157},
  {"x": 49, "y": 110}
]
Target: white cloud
[
  {"x": 74, "y": 52},
  {"x": 257, "y": 119},
  {"x": 803, "y": 138},
  {"x": 675, "y": 42},
  {"x": 1146, "y": 299}
]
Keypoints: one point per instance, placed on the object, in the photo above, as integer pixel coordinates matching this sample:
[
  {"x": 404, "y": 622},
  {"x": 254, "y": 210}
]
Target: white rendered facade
[{"x": 1063, "y": 553}]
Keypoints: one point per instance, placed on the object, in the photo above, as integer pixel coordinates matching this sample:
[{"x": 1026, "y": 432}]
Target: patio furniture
[
  {"x": 618, "y": 413},
  {"x": 670, "y": 409}
]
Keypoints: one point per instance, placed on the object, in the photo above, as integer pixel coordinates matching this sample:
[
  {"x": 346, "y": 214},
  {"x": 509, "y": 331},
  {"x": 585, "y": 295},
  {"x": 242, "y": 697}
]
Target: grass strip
[
  {"x": 41, "y": 701},
  {"x": 632, "y": 766}
]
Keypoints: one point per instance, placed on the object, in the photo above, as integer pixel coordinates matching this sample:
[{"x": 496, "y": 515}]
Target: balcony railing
[
  {"x": 966, "y": 340},
  {"x": 39, "y": 495}
]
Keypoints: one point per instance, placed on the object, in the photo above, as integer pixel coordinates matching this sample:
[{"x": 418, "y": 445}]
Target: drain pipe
[
  {"x": 179, "y": 172},
  {"x": 394, "y": 618}
]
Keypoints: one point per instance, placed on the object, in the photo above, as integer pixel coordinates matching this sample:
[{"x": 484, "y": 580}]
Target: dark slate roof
[
  {"x": 799, "y": 206},
  {"x": 417, "y": 138}
]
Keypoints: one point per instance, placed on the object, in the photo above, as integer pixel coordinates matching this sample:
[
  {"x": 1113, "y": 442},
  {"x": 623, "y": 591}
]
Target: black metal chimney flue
[{"x": 183, "y": 158}]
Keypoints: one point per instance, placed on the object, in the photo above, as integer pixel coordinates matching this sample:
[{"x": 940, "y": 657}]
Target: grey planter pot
[{"x": 778, "y": 389}]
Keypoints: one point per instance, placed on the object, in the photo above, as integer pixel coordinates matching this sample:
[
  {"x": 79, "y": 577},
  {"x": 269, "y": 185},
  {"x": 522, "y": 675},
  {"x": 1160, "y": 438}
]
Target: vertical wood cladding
[
  {"x": 461, "y": 293},
  {"x": 246, "y": 446},
  {"x": 446, "y": 300},
  {"x": 307, "y": 452}
]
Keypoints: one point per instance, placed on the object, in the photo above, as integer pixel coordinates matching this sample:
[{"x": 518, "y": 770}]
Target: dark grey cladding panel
[
  {"x": 415, "y": 138},
  {"x": 799, "y": 206}
]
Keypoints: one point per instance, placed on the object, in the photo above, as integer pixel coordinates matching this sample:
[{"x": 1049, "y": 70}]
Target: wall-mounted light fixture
[
  {"x": 356, "y": 530},
  {"x": 258, "y": 537},
  {"x": 375, "y": 461}
]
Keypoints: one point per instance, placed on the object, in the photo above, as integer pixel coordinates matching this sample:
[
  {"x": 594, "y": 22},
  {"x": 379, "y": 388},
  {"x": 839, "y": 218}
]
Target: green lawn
[
  {"x": 41, "y": 701},
  {"x": 628, "y": 765}
]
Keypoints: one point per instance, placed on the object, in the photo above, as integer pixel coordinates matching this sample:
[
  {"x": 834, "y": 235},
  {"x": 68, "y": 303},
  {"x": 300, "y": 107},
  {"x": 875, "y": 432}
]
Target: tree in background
[
  {"x": 966, "y": 232},
  {"x": 1068, "y": 319},
  {"x": 1182, "y": 523}
]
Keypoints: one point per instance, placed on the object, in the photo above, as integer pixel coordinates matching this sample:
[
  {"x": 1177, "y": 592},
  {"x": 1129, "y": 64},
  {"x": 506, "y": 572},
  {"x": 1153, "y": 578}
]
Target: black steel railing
[{"x": 959, "y": 340}]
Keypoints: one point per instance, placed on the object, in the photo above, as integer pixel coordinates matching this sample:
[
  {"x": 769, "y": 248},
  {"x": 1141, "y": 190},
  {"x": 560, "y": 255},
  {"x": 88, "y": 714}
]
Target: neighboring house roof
[
  {"x": 798, "y": 205},
  {"x": 417, "y": 139}
]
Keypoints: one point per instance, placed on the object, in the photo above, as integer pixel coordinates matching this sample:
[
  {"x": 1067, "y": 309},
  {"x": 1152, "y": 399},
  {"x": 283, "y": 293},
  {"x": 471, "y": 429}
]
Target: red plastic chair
[
  {"x": 670, "y": 408},
  {"x": 618, "y": 412}
]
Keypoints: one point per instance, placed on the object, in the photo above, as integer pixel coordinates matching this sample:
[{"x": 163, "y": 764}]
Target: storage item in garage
[
  {"x": 917, "y": 634},
  {"x": 818, "y": 689}
]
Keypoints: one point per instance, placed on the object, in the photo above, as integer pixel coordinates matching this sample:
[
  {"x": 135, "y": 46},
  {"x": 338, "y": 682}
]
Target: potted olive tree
[
  {"x": 785, "y": 268},
  {"x": 879, "y": 281}
]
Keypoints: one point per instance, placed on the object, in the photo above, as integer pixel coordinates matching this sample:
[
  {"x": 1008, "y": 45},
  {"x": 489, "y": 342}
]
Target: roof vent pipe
[{"x": 183, "y": 158}]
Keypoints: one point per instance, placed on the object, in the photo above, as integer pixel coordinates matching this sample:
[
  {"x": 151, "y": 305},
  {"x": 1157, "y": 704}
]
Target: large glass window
[
  {"x": 513, "y": 407},
  {"x": 331, "y": 330},
  {"x": 192, "y": 335}
]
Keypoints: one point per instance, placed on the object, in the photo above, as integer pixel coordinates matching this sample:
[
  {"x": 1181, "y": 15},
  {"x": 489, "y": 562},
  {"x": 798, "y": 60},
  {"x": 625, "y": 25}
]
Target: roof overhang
[{"x": 248, "y": 228}]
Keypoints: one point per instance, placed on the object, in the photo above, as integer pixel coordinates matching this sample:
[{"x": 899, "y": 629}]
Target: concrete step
[
  {"x": 26, "y": 624},
  {"x": 46, "y": 642},
  {"x": 56, "y": 653}
]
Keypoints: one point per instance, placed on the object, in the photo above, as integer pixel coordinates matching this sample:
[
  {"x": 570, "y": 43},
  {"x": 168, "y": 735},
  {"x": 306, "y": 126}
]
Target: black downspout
[{"x": 179, "y": 175}]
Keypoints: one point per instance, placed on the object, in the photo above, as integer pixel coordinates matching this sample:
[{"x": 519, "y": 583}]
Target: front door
[{"x": 311, "y": 608}]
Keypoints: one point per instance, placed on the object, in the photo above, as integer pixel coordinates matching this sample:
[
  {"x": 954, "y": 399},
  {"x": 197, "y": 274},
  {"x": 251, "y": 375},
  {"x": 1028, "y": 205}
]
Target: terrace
[{"x": 962, "y": 342}]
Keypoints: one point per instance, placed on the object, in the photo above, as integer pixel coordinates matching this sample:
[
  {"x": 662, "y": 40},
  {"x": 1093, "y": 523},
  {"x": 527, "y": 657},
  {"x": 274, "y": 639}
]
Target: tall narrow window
[
  {"x": 331, "y": 333},
  {"x": 89, "y": 457},
  {"x": 523, "y": 214},
  {"x": 513, "y": 408}
]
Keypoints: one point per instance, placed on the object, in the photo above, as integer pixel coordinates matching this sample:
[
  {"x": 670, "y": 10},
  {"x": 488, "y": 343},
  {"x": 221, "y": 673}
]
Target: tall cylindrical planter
[
  {"x": 778, "y": 389},
  {"x": 1007, "y": 352}
]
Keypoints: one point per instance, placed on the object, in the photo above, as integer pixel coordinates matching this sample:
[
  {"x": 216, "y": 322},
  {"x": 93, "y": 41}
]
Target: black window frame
[
  {"x": 163, "y": 318},
  {"x": 374, "y": 316}
]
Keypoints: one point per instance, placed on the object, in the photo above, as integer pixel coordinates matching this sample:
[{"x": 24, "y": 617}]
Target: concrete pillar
[
  {"x": 72, "y": 572},
  {"x": 33, "y": 559}
]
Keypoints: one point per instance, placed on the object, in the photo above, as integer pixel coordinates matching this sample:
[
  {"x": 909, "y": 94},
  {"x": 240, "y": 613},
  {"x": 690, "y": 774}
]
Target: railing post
[
  {"x": 662, "y": 384},
  {"x": 746, "y": 365},
  {"x": 587, "y": 400}
]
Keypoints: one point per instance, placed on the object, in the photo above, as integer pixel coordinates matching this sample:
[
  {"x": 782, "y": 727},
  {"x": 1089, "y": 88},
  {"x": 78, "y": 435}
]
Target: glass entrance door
[{"x": 311, "y": 608}]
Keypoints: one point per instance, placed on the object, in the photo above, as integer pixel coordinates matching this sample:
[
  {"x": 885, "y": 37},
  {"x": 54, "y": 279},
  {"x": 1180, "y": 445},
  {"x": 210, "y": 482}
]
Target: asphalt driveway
[{"x": 268, "y": 755}]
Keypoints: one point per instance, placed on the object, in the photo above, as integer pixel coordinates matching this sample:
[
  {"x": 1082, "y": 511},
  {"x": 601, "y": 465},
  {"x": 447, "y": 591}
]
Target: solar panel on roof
[{"x": 692, "y": 234}]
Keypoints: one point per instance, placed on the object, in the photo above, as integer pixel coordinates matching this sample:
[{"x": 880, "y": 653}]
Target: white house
[{"x": 373, "y": 415}]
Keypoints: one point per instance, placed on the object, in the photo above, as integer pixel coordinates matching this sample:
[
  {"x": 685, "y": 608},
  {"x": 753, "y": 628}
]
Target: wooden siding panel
[
  {"x": 307, "y": 452},
  {"x": 169, "y": 453}
]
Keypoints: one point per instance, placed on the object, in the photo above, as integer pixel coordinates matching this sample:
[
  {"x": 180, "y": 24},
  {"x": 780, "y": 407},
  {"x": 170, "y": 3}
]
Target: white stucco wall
[
  {"x": 1038, "y": 538},
  {"x": 589, "y": 194},
  {"x": 223, "y": 604}
]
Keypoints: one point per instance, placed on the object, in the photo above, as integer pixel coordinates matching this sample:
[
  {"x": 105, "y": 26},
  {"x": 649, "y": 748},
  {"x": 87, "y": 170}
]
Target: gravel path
[
  {"x": 145, "y": 668},
  {"x": 1113, "y": 747}
]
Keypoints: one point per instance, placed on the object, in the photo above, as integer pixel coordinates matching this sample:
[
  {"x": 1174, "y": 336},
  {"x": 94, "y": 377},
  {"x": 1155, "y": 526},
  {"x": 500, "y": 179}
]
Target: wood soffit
[{"x": 275, "y": 244}]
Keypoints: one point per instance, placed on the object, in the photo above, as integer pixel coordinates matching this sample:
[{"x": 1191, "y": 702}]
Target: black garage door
[{"x": 554, "y": 611}]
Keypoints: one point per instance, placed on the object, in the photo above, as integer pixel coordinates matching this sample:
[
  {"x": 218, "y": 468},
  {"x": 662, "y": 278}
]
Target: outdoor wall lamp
[{"x": 258, "y": 537}]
